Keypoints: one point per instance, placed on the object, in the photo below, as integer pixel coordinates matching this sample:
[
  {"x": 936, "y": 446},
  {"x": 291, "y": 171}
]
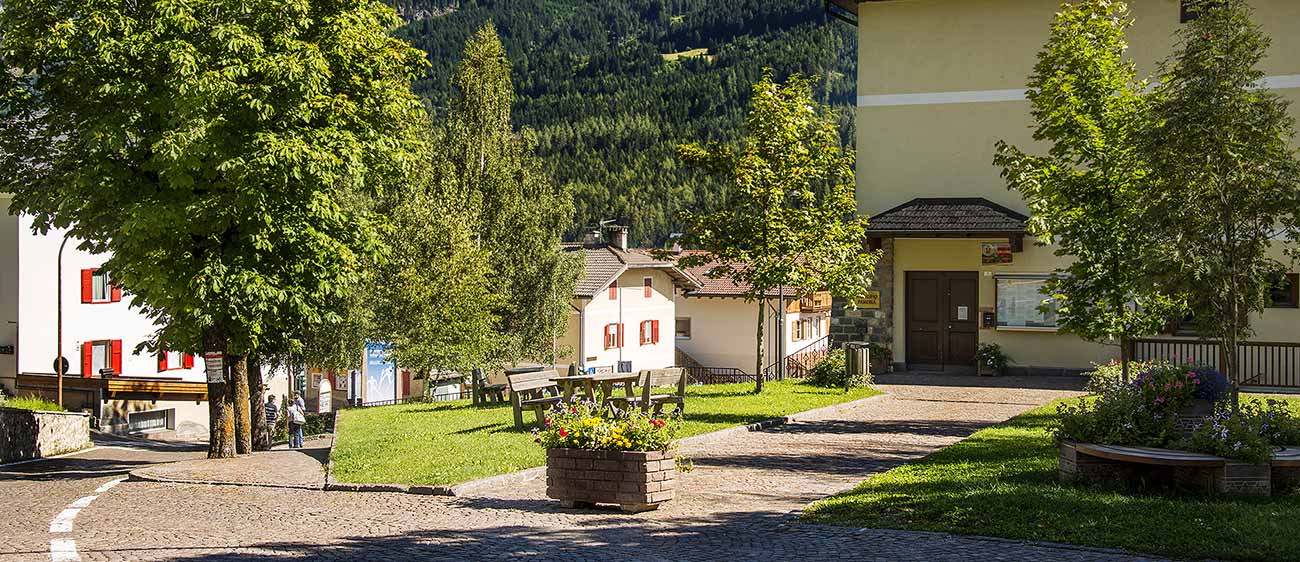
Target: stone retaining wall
[{"x": 27, "y": 434}]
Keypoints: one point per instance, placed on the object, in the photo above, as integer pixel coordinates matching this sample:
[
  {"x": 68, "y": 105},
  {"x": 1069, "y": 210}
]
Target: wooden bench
[
  {"x": 651, "y": 379},
  {"x": 534, "y": 391},
  {"x": 1116, "y": 462}
]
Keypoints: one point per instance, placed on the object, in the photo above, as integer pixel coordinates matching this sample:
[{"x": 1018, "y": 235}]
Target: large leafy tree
[
  {"x": 1088, "y": 193},
  {"x": 521, "y": 213},
  {"x": 206, "y": 144},
  {"x": 791, "y": 220},
  {"x": 1228, "y": 181}
]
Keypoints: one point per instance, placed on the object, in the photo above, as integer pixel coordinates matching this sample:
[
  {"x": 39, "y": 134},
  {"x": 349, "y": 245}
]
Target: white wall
[
  {"x": 8, "y": 291},
  {"x": 723, "y": 331},
  {"x": 37, "y": 328},
  {"x": 631, "y": 308}
]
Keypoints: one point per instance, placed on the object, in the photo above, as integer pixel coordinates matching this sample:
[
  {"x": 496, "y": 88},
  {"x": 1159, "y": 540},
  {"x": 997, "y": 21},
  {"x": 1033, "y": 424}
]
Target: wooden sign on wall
[{"x": 869, "y": 300}]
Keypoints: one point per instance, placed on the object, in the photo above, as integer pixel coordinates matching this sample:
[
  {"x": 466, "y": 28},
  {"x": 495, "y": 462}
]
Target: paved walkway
[
  {"x": 282, "y": 467},
  {"x": 735, "y": 505}
]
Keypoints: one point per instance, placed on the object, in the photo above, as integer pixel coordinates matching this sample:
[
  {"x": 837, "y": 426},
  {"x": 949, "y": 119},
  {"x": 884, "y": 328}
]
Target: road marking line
[
  {"x": 64, "y": 550},
  {"x": 83, "y": 502},
  {"x": 62, "y": 522},
  {"x": 109, "y": 485}
]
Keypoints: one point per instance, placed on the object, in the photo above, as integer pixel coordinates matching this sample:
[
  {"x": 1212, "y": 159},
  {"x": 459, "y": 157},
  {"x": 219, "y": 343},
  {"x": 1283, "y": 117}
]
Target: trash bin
[{"x": 857, "y": 361}]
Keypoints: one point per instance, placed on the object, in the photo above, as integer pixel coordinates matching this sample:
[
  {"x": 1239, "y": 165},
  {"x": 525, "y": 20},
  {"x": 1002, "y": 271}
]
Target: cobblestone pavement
[
  {"x": 735, "y": 505},
  {"x": 282, "y": 467}
]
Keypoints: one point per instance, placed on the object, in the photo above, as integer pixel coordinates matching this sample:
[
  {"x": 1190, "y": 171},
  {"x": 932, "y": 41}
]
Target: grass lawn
[
  {"x": 1002, "y": 482},
  {"x": 452, "y": 442},
  {"x": 31, "y": 403}
]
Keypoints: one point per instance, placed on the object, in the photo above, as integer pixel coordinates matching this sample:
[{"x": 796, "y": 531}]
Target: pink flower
[{"x": 563, "y": 433}]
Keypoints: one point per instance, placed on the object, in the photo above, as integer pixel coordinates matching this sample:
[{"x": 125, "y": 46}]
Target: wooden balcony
[
  {"x": 115, "y": 387},
  {"x": 817, "y": 302}
]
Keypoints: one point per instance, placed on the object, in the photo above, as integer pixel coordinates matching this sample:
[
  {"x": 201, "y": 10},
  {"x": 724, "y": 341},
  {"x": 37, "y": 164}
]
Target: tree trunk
[
  {"x": 243, "y": 426},
  {"x": 257, "y": 405},
  {"x": 221, "y": 411},
  {"x": 1124, "y": 356},
  {"x": 758, "y": 372}
]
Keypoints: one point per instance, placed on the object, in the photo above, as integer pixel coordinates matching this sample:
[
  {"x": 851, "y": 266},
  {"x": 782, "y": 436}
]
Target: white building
[
  {"x": 623, "y": 309},
  {"x": 716, "y": 327},
  {"x": 155, "y": 395}
]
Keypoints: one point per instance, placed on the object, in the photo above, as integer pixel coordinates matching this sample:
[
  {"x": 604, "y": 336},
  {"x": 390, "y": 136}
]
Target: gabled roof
[
  {"x": 724, "y": 287},
  {"x": 605, "y": 263},
  {"x": 948, "y": 215}
]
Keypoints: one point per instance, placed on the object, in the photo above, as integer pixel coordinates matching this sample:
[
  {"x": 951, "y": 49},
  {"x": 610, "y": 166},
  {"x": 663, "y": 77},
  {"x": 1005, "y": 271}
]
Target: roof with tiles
[
  {"x": 949, "y": 215},
  {"x": 605, "y": 262}
]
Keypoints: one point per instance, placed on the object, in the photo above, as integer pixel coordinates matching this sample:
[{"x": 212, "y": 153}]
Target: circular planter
[
  {"x": 635, "y": 481},
  {"x": 1193, "y": 416}
]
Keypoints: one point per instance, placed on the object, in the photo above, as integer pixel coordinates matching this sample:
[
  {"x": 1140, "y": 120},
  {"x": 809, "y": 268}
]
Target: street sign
[
  {"x": 66, "y": 366},
  {"x": 214, "y": 364}
]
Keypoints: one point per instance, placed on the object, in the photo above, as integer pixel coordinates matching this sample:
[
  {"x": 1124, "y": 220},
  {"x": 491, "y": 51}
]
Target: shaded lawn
[
  {"x": 452, "y": 442},
  {"x": 1002, "y": 482}
]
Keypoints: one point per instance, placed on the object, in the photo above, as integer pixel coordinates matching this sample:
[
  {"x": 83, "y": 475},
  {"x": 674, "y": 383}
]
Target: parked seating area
[
  {"x": 1193, "y": 470},
  {"x": 649, "y": 390}
]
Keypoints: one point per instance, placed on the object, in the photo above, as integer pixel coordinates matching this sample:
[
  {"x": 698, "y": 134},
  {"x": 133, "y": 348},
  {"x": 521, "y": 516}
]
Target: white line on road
[{"x": 64, "y": 550}]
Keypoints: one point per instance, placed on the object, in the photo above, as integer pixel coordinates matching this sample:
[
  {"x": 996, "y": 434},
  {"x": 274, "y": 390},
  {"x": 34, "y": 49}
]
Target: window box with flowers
[{"x": 623, "y": 459}]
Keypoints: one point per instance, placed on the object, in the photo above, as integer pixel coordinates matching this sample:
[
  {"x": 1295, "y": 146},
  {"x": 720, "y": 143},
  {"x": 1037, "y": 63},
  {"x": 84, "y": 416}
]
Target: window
[
  {"x": 613, "y": 290},
  {"x": 97, "y": 288},
  {"x": 1018, "y": 302},
  {"x": 683, "y": 330},
  {"x": 1286, "y": 294},
  {"x": 648, "y": 287},
  {"x": 99, "y": 355},
  {"x": 1186, "y": 12},
  {"x": 613, "y": 336},
  {"x": 172, "y": 360},
  {"x": 807, "y": 328},
  {"x": 649, "y": 332}
]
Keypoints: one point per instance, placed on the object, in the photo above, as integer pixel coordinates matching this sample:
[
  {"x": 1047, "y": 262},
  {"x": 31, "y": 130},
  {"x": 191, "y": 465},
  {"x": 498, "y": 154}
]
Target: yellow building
[{"x": 939, "y": 83}]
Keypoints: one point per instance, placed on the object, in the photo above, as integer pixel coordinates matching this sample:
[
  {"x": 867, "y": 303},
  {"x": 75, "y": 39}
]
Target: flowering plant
[
  {"x": 1141, "y": 412},
  {"x": 1249, "y": 434},
  {"x": 583, "y": 425},
  {"x": 1170, "y": 387}
]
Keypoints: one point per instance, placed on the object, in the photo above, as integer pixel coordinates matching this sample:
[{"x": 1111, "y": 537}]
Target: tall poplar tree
[
  {"x": 485, "y": 165},
  {"x": 791, "y": 218},
  {"x": 1228, "y": 189},
  {"x": 206, "y": 145},
  {"x": 1088, "y": 193}
]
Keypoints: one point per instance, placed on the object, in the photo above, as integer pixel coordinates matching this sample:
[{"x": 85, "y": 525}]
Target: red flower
[
  {"x": 657, "y": 423},
  {"x": 563, "y": 433}
]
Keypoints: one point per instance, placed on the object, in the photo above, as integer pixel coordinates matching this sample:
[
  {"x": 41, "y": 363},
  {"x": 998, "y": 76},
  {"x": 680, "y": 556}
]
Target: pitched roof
[
  {"x": 948, "y": 215},
  {"x": 605, "y": 263},
  {"x": 724, "y": 287}
]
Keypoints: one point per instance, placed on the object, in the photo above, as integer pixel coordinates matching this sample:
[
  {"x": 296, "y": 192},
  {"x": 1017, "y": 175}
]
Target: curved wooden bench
[
  {"x": 1287, "y": 458},
  {"x": 1150, "y": 455}
]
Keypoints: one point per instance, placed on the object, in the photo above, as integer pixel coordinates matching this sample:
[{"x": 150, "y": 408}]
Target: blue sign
[{"x": 381, "y": 374}]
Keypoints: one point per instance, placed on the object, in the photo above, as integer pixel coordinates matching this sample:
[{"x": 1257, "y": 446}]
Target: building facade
[
  {"x": 939, "y": 83},
  {"x": 148, "y": 394}
]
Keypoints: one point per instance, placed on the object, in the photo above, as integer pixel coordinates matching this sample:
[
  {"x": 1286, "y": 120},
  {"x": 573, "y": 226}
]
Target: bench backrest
[
  {"x": 532, "y": 381},
  {"x": 674, "y": 377}
]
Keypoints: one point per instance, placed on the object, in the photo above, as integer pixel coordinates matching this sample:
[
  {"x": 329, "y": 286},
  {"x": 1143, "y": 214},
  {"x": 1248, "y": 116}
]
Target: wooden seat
[
  {"x": 496, "y": 391},
  {"x": 534, "y": 391},
  {"x": 651, "y": 379},
  {"x": 1148, "y": 455}
]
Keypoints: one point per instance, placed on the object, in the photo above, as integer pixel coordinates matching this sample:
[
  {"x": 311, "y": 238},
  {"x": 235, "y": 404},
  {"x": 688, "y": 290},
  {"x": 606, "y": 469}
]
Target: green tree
[
  {"x": 791, "y": 220},
  {"x": 1087, "y": 194},
  {"x": 521, "y": 213},
  {"x": 1227, "y": 175},
  {"x": 206, "y": 145}
]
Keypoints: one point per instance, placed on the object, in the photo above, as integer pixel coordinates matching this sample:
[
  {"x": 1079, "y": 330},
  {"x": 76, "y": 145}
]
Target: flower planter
[
  {"x": 635, "y": 481},
  {"x": 1193, "y": 416}
]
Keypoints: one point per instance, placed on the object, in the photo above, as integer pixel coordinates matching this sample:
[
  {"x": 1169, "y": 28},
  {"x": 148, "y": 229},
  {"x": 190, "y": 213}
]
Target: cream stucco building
[{"x": 939, "y": 83}]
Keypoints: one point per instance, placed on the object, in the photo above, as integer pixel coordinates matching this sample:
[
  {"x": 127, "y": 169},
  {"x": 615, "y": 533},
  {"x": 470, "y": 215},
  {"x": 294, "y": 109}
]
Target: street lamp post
[{"x": 60, "y": 364}]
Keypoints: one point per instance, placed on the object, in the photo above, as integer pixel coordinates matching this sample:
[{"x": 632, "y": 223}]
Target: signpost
[
  {"x": 869, "y": 300},
  {"x": 214, "y": 365}
]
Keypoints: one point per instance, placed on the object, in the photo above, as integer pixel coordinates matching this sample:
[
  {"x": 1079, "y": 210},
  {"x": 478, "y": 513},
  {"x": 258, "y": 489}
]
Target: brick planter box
[{"x": 635, "y": 481}]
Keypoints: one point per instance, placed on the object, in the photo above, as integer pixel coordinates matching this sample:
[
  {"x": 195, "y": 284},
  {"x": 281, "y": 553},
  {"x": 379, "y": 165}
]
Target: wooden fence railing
[{"x": 1262, "y": 364}]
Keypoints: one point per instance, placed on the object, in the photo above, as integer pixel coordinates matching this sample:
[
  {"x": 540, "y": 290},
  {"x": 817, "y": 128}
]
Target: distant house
[
  {"x": 717, "y": 328},
  {"x": 623, "y": 309}
]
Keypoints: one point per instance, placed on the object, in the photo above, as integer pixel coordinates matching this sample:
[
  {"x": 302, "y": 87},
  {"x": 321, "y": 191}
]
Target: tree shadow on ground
[{"x": 72, "y": 468}]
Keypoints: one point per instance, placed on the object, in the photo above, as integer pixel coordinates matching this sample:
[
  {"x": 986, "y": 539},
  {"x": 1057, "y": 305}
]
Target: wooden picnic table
[{"x": 587, "y": 384}]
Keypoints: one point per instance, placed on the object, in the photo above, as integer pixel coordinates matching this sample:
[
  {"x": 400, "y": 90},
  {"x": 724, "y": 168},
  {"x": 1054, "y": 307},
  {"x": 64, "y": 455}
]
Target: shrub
[
  {"x": 1169, "y": 387},
  {"x": 31, "y": 403},
  {"x": 1119, "y": 417},
  {"x": 832, "y": 372},
  {"x": 1109, "y": 374},
  {"x": 1242, "y": 436},
  {"x": 317, "y": 424},
  {"x": 581, "y": 425},
  {"x": 991, "y": 357}
]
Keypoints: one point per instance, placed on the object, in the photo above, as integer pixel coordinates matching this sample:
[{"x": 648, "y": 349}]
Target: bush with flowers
[
  {"x": 1143, "y": 412},
  {"x": 584, "y": 425}
]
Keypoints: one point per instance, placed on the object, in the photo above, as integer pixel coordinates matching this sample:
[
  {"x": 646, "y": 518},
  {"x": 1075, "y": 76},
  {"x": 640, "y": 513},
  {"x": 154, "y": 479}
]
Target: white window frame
[
  {"x": 175, "y": 360},
  {"x": 101, "y": 287},
  {"x": 998, "y": 309},
  {"x": 100, "y": 361}
]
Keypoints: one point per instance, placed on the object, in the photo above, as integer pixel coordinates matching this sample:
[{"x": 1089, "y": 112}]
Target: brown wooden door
[{"x": 942, "y": 323}]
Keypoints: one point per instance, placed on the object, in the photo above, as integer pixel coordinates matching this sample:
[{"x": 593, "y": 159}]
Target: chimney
[{"x": 617, "y": 236}]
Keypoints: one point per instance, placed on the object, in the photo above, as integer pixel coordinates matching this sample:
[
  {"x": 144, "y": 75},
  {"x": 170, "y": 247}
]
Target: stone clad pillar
[{"x": 874, "y": 326}]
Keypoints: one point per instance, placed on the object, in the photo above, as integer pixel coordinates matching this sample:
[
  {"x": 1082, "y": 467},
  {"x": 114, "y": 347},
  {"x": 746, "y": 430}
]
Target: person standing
[
  {"x": 297, "y": 418},
  {"x": 272, "y": 415}
]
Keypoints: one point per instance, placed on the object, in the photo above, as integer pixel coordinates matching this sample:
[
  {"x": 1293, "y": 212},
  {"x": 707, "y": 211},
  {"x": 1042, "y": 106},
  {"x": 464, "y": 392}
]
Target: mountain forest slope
[{"x": 610, "y": 87}]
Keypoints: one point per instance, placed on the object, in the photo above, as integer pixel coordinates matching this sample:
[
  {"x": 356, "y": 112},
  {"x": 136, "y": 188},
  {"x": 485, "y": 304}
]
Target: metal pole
[
  {"x": 781, "y": 335},
  {"x": 58, "y": 352}
]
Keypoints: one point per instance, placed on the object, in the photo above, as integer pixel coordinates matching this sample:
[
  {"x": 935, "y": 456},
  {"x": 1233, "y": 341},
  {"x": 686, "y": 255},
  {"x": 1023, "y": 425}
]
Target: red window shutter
[
  {"x": 116, "y": 293},
  {"x": 613, "y": 290},
  {"x": 620, "y": 334},
  {"x": 406, "y": 384},
  {"x": 188, "y": 361},
  {"x": 87, "y": 285},
  {"x": 649, "y": 287},
  {"x": 162, "y": 361},
  {"x": 643, "y": 332},
  {"x": 87, "y": 354},
  {"x": 654, "y": 331},
  {"x": 117, "y": 356},
  {"x": 610, "y": 338}
]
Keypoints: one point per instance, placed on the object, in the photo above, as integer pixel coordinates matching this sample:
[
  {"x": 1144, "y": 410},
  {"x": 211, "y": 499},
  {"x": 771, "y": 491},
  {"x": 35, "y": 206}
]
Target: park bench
[
  {"x": 534, "y": 391},
  {"x": 1116, "y": 462},
  {"x": 652, "y": 379}
]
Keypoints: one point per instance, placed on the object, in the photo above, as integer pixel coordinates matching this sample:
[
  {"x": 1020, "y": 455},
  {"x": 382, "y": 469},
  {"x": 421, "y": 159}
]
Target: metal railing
[
  {"x": 716, "y": 375},
  {"x": 800, "y": 364},
  {"x": 1262, "y": 364},
  {"x": 442, "y": 397}
]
